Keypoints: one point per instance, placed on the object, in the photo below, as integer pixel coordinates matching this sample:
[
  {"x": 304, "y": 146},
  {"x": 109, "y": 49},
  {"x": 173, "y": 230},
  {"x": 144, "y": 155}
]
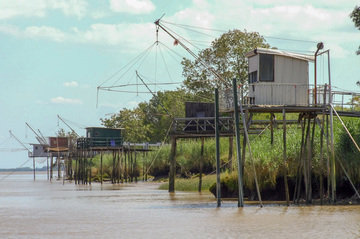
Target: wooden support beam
[
  {"x": 90, "y": 163},
  {"x": 201, "y": 163},
  {"x": 217, "y": 143},
  {"x": 101, "y": 167},
  {"x": 51, "y": 167},
  {"x": 238, "y": 147},
  {"x": 321, "y": 158},
  {"x": 172, "y": 165},
  {"x": 272, "y": 128},
  {"x": 284, "y": 158}
]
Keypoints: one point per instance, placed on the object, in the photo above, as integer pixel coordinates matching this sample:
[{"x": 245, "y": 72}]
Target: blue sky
[{"x": 55, "y": 53}]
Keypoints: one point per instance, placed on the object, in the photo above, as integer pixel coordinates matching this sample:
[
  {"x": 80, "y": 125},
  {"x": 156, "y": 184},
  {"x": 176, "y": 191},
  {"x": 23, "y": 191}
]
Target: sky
[{"x": 54, "y": 54}]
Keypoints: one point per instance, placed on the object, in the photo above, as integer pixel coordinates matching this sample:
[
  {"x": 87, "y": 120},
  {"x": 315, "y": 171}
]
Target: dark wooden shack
[
  {"x": 103, "y": 137},
  {"x": 199, "y": 110}
]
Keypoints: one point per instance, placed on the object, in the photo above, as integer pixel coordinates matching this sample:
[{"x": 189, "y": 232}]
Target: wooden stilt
[
  {"x": 272, "y": 128},
  {"x": 125, "y": 167},
  {"x": 51, "y": 167},
  {"x": 321, "y": 159},
  {"x": 284, "y": 158},
  {"x": 118, "y": 167},
  {"x": 201, "y": 163},
  {"x": 310, "y": 159},
  {"x": 34, "y": 167},
  {"x": 306, "y": 161},
  {"x": 90, "y": 164},
  {"x": 47, "y": 168},
  {"x": 217, "y": 143},
  {"x": 240, "y": 163},
  {"x": 328, "y": 157},
  {"x": 113, "y": 176},
  {"x": 172, "y": 165},
  {"x": 131, "y": 165},
  {"x": 101, "y": 167},
  {"x": 122, "y": 165},
  {"x": 300, "y": 167},
  {"x": 135, "y": 166}
]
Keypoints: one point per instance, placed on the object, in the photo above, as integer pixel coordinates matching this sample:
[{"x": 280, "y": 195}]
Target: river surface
[{"x": 57, "y": 209}]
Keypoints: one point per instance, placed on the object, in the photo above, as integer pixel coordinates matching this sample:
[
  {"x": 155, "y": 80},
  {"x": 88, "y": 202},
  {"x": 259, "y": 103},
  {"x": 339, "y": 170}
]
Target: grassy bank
[
  {"x": 191, "y": 184},
  {"x": 268, "y": 158}
]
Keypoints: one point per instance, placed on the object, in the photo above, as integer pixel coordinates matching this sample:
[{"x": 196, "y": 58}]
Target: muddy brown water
[{"x": 42, "y": 209}]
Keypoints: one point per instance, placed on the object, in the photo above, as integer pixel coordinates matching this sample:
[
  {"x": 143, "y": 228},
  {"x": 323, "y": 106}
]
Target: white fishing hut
[{"x": 278, "y": 78}]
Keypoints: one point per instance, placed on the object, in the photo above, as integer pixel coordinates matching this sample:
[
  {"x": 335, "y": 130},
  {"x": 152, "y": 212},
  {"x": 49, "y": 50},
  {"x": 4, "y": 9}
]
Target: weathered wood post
[
  {"x": 47, "y": 168},
  {"x": 113, "y": 169},
  {"x": 118, "y": 167},
  {"x": 125, "y": 166},
  {"x": 272, "y": 128},
  {"x": 201, "y": 163},
  {"x": 91, "y": 158},
  {"x": 217, "y": 142},
  {"x": 238, "y": 147},
  {"x": 34, "y": 167},
  {"x": 51, "y": 167},
  {"x": 284, "y": 157},
  {"x": 121, "y": 165},
  {"x": 101, "y": 167},
  {"x": 135, "y": 166},
  {"x": 172, "y": 165}
]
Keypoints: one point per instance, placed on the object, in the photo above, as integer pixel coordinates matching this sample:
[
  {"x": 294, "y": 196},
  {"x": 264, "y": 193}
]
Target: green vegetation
[
  {"x": 268, "y": 160},
  {"x": 192, "y": 184}
]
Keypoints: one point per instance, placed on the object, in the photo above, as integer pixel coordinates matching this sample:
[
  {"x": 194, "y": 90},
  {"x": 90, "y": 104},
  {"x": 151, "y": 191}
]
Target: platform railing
[
  {"x": 276, "y": 94},
  {"x": 202, "y": 125}
]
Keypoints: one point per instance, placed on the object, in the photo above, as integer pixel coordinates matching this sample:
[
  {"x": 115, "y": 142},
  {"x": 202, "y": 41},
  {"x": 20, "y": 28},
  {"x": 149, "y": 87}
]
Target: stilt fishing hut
[
  {"x": 279, "y": 83},
  {"x": 58, "y": 148}
]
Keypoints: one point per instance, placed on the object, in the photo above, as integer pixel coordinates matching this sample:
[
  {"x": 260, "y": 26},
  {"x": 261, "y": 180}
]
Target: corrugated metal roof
[{"x": 259, "y": 50}]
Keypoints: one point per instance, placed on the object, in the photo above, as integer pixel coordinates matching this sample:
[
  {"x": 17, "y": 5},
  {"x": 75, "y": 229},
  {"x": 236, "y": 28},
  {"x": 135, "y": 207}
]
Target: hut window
[
  {"x": 96, "y": 134},
  {"x": 266, "y": 67},
  {"x": 252, "y": 77}
]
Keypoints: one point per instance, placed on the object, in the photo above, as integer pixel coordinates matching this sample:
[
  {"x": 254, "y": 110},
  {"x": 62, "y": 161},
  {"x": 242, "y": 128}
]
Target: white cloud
[
  {"x": 70, "y": 7},
  {"x": 132, "y": 6},
  {"x": 45, "y": 32},
  {"x": 62, "y": 100},
  {"x": 40, "y": 8},
  {"x": 15, "y": 8},
  {"x": 127, "y": 36},
  {"x": 71, "y": 84}
]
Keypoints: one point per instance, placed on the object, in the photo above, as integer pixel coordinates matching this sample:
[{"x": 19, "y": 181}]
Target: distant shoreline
[{"x": 23, "y": 169}]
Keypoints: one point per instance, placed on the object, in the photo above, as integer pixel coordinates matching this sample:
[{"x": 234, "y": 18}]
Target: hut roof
[{"x": 259, "y": 50}]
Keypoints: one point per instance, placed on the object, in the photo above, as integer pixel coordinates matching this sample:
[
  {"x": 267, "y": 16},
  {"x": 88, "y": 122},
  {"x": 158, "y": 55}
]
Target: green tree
[
  {"x": 226, "y": 57},
  {"x": 156, "y": 116},
  {"x": 131, "y": 121},
  {"x": 150, "y": 121},
  {"x": 355, "y": 17}
]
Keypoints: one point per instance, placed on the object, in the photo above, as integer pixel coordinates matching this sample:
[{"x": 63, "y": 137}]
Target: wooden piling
[
  {"x": 121, "y": 165},
  {"x": 51, "y": 167},
  {"x": 272, "y": 128},
  {"x": 238, "y": 147},
  {"x": 34, "y": 167},
  {"x": 284, "y": 158},
  {"x": 201, "y": 163},
  {"x": 101, "y": 167},
  {"x": 300, "y": 166},
  {"x": 217, "y": 143},
  {"x": 172, "y": 165}
]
